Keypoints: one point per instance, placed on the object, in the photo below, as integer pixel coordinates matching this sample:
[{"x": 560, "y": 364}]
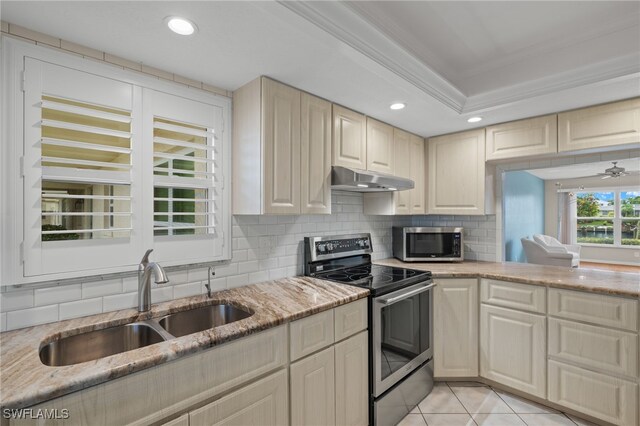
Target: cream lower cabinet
[
  {"x": 313, "y": 389},
  {"x": 352, "y": 379},
  {"x": 456, "y": 174},
  {"x": 513, "y": 349},
  {"x": 281, "y": 150},
  {"x": 263, "y": 403},
  {"x": 330, "y": 382},
  {"x": 455, "y": 328}
]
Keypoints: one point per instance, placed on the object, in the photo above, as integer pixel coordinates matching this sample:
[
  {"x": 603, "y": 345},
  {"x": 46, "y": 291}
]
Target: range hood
[{"x": 357, "y": 180}]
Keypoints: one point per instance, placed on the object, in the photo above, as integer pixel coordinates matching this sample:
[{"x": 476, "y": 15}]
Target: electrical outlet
[{"x": 636, "y": 253}]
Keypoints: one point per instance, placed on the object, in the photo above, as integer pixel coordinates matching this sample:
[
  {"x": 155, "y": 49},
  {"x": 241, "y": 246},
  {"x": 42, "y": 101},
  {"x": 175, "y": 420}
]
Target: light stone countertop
[
  {"x": 591, "y": 280},
  {"x": 25, "y": 381}
]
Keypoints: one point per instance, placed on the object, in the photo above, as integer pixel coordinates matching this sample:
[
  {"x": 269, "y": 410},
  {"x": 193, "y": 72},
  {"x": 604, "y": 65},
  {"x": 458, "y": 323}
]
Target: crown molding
[
  {"x": 607, "y": 72},
  {"x": 358, "y": 31},
  {"x": 343, "y": 23}
]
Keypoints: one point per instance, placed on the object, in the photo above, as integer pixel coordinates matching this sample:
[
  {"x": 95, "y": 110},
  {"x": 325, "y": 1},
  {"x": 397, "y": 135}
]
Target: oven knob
[
  {"x": 321, "y": 248},
  {"x": 329, "y": 247},
  {"x": 362, "y": 243}
]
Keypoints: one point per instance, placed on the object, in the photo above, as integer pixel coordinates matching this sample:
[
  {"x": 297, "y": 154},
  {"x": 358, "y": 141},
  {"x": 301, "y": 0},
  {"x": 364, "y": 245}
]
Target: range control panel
[{"x": 342, "y": 245}]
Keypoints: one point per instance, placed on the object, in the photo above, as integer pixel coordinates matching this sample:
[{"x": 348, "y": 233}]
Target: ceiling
[
  {"x": 584, "y": 170},
  {"x": 446, "y": 60}
]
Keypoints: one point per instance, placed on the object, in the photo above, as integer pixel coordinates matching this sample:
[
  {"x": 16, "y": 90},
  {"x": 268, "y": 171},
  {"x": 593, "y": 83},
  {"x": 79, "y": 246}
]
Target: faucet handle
[{"x": 145, "y": 258}]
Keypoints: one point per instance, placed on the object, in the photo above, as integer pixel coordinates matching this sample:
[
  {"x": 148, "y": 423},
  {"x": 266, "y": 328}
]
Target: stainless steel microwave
[{"x": 428, "y": 244}]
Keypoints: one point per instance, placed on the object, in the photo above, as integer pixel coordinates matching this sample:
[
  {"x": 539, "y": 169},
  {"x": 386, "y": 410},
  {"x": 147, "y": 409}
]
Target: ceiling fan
[{"x": 615, "y": 172}]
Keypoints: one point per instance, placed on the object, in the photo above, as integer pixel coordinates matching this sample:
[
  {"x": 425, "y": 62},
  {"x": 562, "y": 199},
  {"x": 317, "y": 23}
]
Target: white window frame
[
  {"x": 617, "y": 218},
  {"x": 12, "y": 226}
]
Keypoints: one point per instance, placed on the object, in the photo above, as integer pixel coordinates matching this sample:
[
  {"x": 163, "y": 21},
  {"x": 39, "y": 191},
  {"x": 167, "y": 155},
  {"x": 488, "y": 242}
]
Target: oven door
[{"x": 402, "y": 333}]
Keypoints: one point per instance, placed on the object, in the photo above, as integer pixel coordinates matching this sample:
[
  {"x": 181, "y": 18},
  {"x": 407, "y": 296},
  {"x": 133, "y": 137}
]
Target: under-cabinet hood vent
[{"x": 356, "y": 180}]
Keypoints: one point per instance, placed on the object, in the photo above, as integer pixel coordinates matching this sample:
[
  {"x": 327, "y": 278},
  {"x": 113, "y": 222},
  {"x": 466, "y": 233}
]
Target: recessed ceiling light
[
  {"x": 391, "y": 188},
  {"x": 398, "y": 105},
  {"x": 362, "y": 185},
  {"x": 180, "y": 25},
  {"x": 474, "y": 119}
]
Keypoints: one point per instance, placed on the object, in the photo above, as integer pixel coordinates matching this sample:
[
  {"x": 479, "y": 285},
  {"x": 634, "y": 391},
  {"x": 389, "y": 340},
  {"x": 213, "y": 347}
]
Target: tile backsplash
[{"x": 264, "y": 248}]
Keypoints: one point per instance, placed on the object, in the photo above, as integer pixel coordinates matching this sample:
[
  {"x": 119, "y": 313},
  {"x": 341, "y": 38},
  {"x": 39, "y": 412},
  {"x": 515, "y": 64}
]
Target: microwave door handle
[{"x": 386, "y": 302}]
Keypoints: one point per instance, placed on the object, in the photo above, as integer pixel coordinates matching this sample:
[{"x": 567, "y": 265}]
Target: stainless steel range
[{"x": 400, "y": 321}]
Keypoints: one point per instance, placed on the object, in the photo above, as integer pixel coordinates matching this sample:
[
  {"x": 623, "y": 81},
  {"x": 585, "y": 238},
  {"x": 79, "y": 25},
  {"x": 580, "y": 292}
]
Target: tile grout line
[
  {"x": 514, "y": 411},
  {"x": 518, "y": 414},
  {"x": 465, "y": 408}
]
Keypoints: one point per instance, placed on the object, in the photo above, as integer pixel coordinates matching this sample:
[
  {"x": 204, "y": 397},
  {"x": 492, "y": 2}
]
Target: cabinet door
[
  {"x": 513, "y": 349},
  {"x": 600, "y": 126},
  {"x": 456, "y": 174},
  {"x": 352, "y": 381},
  {"x": 313, "y": 389},
  {"x": 534, "y": 136},
  {"x": 380, "y": 152},
  {"x": 403, "y": 163},
  {"x": 183, "y": 420},
  {"x": 455, "y": 343},
  {"x": 281, "y": 144},
  {"x": 604, "y": 397},
  {"x": 349, "y": 139},
  {"x": 263, "y": 403},
  {"x": 417, "y": 168},
  {"x": 315, "y": 170}
]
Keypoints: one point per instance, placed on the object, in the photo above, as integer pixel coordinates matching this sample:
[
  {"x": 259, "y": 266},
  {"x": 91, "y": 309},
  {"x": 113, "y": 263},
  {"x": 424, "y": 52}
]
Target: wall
[
  {"x": 628, "y": 256},
  {"x": 264, "y": 248},
  {"x": 524, "y": 211}
]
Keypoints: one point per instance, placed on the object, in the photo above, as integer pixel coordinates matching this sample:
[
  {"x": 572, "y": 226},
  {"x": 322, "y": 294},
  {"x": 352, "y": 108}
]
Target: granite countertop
[
  {"x": 25, "y": 381},
  {"x": 591, "y": 280}
]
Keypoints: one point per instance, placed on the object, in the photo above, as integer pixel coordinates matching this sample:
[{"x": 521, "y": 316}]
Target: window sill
[{"x": 608, "y": 246}]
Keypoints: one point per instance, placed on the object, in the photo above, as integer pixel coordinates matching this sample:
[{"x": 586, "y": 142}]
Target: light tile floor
[{"x": 475, "y": 404}]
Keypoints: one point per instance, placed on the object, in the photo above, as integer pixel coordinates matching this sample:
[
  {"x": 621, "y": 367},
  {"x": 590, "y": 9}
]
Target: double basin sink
[{"x": 110, "y": 341}]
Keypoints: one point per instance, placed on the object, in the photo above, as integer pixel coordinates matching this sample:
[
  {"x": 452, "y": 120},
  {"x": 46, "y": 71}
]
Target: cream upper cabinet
[
  {"x": 349, "y": 138},
  {"x": 455, "y": 344},
  {"x": 281, "y": 144},
  {"x": 352, "y": 381},
  {"x": 313, "y": 390},
  {"x": 513, "y": 349},
  {"x": 402, "y": 152},
  {"x": 281, "y": 150},
  {"x": 417, "y": 167},
  {"x": 456, "y": 174},
  {"x": 534, "y": 136},
  {"x": 315, "y": 170},
  {"x": 380, "y": 149},
  {"x": 600, "y": 126}
]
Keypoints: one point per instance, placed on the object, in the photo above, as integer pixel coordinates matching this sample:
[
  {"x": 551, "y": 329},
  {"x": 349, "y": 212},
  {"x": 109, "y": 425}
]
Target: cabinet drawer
[
  {"x": 260, "y": 403},
  {"x": 512, "y": 295},
  {"x": 350, "y": 319},
  {"x": 604, "y": 397},
  {"x": 311, "y": 334},
  {"x": 603, "y": 348},
  {"x": 610, "y": 311}
]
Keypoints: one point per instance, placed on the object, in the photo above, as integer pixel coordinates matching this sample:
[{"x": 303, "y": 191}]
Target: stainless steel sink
[
  {"x": 100, "y": 343},
  {"x": 199, "y": 319}
]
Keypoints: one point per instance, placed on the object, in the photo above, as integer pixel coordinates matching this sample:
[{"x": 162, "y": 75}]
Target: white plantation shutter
[
  {"x": 80, "y": 164},
  {"x": 103, "y": 164},
  {"x": 187, "y": 171}
]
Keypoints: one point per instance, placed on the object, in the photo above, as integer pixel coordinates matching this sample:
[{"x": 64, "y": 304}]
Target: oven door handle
[{"x": 386, "y": 302}]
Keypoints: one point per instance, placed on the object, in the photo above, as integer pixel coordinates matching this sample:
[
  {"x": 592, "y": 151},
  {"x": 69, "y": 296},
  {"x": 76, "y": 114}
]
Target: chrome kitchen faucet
[{"x": 145, "y": 268}]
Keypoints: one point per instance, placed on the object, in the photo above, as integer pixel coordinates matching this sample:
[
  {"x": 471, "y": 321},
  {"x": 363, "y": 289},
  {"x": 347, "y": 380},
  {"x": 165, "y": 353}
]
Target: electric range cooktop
[{"x": 377, "y": 278}]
